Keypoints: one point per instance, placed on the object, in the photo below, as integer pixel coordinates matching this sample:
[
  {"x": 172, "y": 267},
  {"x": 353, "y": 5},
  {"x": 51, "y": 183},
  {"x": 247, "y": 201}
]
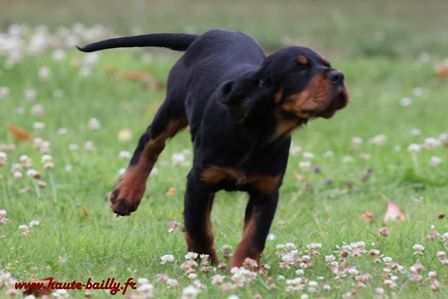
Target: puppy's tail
[{"x": 173, "y": 41}]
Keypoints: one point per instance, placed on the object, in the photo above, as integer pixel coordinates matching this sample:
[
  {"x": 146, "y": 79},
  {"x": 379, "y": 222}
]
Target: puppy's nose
[{"x": 335, "y": 77}]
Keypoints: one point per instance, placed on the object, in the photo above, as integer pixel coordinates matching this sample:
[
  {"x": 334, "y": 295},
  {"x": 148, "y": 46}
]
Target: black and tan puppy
[{"x": 241, "y": 107}]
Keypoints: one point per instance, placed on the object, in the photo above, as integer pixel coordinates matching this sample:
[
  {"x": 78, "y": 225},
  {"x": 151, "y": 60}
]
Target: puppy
[{"x": 241, "y": 107}]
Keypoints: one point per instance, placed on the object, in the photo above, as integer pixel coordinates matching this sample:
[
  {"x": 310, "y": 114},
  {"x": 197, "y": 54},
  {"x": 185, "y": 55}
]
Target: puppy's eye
[{"x": 300, "y": 68}]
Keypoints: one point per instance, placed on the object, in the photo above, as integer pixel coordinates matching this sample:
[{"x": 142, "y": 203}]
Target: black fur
[{"x": 232, "y": 96}]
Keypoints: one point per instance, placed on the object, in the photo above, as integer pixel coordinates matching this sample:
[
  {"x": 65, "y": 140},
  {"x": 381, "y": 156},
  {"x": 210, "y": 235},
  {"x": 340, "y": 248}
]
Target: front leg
[
  {"x": 197, "y": 208},
  {"x": 257, "y": 221}
]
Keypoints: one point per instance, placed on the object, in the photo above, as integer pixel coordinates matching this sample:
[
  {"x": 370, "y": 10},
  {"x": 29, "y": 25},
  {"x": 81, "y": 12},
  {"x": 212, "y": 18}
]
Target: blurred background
[{"x": 346, "y": 28}]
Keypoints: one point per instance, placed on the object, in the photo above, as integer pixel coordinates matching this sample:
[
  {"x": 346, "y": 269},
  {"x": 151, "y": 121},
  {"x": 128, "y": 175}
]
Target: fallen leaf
[
  {"x": 367, "y": 217},
  {"x": 393, "y": 213},
  {"x": 130, "y": 75},
  {"x": 19, "y": 133},
  {"x": 298, "y": 176},
  {"x": 155, "y": 85},
  {"x": 441, "y": 70},
  {"x": 85, "y": 212},
  {"x": 171, "y": 192}
]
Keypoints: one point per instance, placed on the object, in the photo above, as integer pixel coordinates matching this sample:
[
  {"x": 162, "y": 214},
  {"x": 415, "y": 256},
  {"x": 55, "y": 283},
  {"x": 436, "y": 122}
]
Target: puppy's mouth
[{"x": 337, "y": 103}]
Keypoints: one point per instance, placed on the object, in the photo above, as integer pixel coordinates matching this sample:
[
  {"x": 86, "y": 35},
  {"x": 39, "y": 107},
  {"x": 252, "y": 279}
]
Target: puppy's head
[
  {"x": 295, "y": 82},
  {"x": 305, "y": 83}
]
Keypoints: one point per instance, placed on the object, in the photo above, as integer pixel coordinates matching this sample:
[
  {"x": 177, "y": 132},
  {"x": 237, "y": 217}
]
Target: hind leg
[{"x": 129, "y": 189}]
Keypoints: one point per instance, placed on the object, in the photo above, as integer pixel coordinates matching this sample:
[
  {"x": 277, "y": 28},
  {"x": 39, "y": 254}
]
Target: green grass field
[{"x": 395, "y": 102}]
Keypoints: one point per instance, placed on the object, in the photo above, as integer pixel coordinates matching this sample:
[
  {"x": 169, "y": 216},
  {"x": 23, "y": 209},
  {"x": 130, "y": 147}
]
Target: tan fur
[{"x": 262, "y": 183}]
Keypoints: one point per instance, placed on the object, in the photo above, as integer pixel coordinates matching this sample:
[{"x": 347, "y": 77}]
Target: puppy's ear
[{"x": 245, "y": 97}]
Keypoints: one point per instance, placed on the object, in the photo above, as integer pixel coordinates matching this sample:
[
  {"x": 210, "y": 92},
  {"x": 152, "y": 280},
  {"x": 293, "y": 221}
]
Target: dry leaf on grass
[
  {"x": 171, "y": 192},
  {"x": 367, "y": 217},
  {"x": 393, "y": 213},
  {"x": 19, "y": 133},
  {"x": 148, "y": 80},
  {"x": 441, "y": 70}
]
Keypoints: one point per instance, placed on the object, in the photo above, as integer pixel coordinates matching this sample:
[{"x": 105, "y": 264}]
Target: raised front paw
[{"x": 125, "y": 198}]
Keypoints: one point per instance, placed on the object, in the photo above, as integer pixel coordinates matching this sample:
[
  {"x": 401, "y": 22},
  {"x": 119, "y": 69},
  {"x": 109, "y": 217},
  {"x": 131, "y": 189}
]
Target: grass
[
  {"x": 346, "y": 27},
  {"x": 78, "y": 236}
]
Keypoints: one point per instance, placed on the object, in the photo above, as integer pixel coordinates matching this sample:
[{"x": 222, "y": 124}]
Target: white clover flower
[
  {"x": 37, "y": 110},
  {"x": 142, "y": 280},
  {"x": 91, "y": 59},
  {"x": 124, "y": 155},
  {"x": 62, "y": 131},
  {"x": 435, "y": 161},
  {"x": 154, "y": 171},
  {"x": 94, "y": 124},
  {"x": 33, "y": 173},
  {"x": 415, "y": 132},
  {"x": 3, "y": 220},
  {"x": 414, "y": 148},
  {"x": 356, "y": 142},
  {"x": 17, "y": 174},
  {"x": 30, "y": 94},
  {"x": 124, "y": 135},
  {"x": 191, "y": 255},
  {"x": 217, "y": 279},
  {"x": 146, "y": 289},
  {"x": 270, "y": 237},
  {"x": 89, "y": 146},
  {"x": 364, "y": 156},
  {"x": 304, "y": 165},
  {"x": 178, "y": 159},
  {"x": 167, "y": 258},
  {"x": 121, "y": 171},
  {"x": 308, "y": 155},
  {"x": 24, "y": 229},
  {"x": 328, "y": 154},
  {"x": 418, "y": 249},
  {"x": 4, "y": 92},
  {"x": 3, "y": 158},
  {"x": 444, "y": 138},
  {"x": 192, "y": 275},
  {"x": 46, "y": 159},
  {"x": 190, "y": 292},
  {"x": 34, "y": 223},
  {"x": 431, "y": 143},
  {"x": 38, "y": 126},
  {"x": 44, "y": 73},
  {"x": 294, "y": 150},
  {"x": 379, "y": 140},
  {"x": 406, "y": 101},
  {"x": 347, "y": 159},
  {"x": 58, "y": 55},
  {"x": 172, "y": 283},
  {"x": 417, "y": 91},
  {"x": 73, "y": 147}
]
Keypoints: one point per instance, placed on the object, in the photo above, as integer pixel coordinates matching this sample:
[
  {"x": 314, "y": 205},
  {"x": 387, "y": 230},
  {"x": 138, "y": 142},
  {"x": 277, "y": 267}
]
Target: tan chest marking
[{"x": 265, "y": 184}]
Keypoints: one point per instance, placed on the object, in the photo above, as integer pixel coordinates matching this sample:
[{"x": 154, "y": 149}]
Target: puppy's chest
[{"x": 240, "y": 180}]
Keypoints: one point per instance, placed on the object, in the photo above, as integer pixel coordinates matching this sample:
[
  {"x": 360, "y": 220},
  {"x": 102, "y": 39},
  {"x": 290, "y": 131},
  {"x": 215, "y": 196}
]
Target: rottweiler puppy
[{"x": 241, "y": 107}]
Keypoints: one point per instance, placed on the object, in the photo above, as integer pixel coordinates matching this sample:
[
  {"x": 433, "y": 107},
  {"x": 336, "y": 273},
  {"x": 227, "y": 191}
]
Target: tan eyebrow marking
[{"x": 302, "y": 59}]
